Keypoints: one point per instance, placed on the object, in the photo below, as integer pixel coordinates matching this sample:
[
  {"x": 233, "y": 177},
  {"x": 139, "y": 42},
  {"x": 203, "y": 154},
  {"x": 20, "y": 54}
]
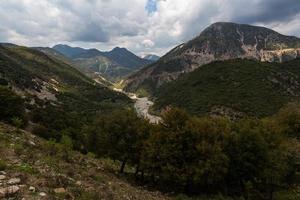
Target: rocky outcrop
[{"x": 220, "y": 41}]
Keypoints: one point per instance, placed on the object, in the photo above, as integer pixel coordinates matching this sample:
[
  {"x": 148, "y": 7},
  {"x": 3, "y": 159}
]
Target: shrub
[
  {"x": 3, "y": 165},
  {"x": 11, "y": 106}
]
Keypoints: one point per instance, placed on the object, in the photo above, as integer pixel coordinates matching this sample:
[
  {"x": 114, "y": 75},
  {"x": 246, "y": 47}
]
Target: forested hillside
[{"x": 235, "y": 88}]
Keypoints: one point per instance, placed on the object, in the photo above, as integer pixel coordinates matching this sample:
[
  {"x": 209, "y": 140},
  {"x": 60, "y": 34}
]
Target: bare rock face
[{"x": 220, "y": 41}]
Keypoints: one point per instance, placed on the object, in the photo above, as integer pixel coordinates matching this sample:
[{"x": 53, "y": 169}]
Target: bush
[
  {"x": 11, "y": 106},
  {"x": 3, "y": 165}
]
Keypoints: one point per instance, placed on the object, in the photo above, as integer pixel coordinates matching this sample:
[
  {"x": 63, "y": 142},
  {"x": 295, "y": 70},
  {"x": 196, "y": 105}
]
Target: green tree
[
  {"x": 188, "y": 150},
  {"x": 120, "y": 136},
  {"x": 288, "y": 119}
]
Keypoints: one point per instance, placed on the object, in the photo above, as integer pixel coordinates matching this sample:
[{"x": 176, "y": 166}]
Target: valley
[{"x": 216, "y": 118}]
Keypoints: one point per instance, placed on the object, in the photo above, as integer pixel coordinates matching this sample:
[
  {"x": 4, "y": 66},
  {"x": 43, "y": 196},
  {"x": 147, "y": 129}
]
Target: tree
[
  {"x": 288, "y": 119},
  {"x": 187, "y": 150},
  {"x": 259, "y": 164},
  {"x": 120, "y": 136}
]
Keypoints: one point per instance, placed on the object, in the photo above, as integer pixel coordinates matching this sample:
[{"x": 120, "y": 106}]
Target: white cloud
[
  {"x": 148, "y": 43},
  {"x": 105, "y": 24}
]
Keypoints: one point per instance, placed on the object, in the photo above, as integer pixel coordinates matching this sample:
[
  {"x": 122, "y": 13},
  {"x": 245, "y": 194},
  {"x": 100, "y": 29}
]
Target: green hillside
[
  {"x": 57, "y": 97},
  {"x": 235, "y": 87}
]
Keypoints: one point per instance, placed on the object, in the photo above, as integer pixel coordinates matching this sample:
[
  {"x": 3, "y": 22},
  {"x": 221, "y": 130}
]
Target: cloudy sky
[{"x": 142, "y": 26}]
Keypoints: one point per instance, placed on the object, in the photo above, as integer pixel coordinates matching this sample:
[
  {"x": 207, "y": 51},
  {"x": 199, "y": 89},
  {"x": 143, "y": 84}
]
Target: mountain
[
  {"x": 114, "y": 64},
  {"x": 235, "y": 88},
  {"x": 220, "y": 41},
  {"x": 151, "y": 57}
]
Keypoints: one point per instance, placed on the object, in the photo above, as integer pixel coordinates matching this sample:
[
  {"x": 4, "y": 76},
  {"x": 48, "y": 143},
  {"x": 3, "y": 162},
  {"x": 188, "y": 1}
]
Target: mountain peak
[{"x": 119, "y": 49}]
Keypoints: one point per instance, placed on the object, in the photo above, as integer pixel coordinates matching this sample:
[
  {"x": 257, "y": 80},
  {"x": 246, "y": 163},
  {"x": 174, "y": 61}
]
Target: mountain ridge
[
  {"x": 117, "y": 63},
  {"x": 219, "y": 41}
]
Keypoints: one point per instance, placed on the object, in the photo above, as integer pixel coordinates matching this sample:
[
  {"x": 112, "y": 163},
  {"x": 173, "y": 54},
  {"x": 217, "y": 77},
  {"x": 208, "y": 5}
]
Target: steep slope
[
  {"x": 220, "y": 41},
  {"x": 55, "y": 54},
  {"x": 235, "y": 88},
  {"x": 76, "y": 64},
  {"x": 113, "y": 65}
]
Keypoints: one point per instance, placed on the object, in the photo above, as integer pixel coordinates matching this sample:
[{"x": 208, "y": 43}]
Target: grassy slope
[{"x": 250, "y": 87}]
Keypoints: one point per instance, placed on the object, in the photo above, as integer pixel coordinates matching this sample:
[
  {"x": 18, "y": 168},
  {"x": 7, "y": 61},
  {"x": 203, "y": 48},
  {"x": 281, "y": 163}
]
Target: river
[{"x": 142, "y": 106}]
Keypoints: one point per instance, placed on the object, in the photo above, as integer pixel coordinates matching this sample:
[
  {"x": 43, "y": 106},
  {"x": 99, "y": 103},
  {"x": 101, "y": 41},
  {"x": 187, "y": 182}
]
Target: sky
[{"x": 142, "y": 26}]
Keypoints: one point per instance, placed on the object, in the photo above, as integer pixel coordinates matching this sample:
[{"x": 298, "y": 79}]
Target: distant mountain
[
  {"x": 152, "y": 57},
  {"x": 126, "y": 58},
  {"x": 220, "y": 41},
  {"x": 114, "y": 64},
  {"x": 234, "y": 88}
]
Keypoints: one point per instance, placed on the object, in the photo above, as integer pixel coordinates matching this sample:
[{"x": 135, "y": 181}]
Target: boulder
[
  {"x": 42, "y": 194},
  {"x": 32, "y": 189},
  {"x": 8, "y": 191},
  {"x": 2, "y": 177},
  {"x": 60, "y": 190},
  {"x": 14, "y": 181}
]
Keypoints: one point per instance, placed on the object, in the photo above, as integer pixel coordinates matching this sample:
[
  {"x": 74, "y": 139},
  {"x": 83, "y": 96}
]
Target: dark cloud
[
  {"x": 267, "y": 11},
  {"x": 90, "y": 33}
]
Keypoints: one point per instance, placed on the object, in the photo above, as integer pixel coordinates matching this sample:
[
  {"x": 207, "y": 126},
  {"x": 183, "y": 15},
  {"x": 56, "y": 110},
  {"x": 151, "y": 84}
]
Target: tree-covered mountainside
[
  {"x": 220, "y": 41},
  {"x": 235, "y": 87},
  {"x": 113, "y": 65}
]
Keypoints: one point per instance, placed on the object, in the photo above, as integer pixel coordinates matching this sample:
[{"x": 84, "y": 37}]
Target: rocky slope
[
  {"x": 220, "y": 41},
  {"x": 33, "y": 168}
]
